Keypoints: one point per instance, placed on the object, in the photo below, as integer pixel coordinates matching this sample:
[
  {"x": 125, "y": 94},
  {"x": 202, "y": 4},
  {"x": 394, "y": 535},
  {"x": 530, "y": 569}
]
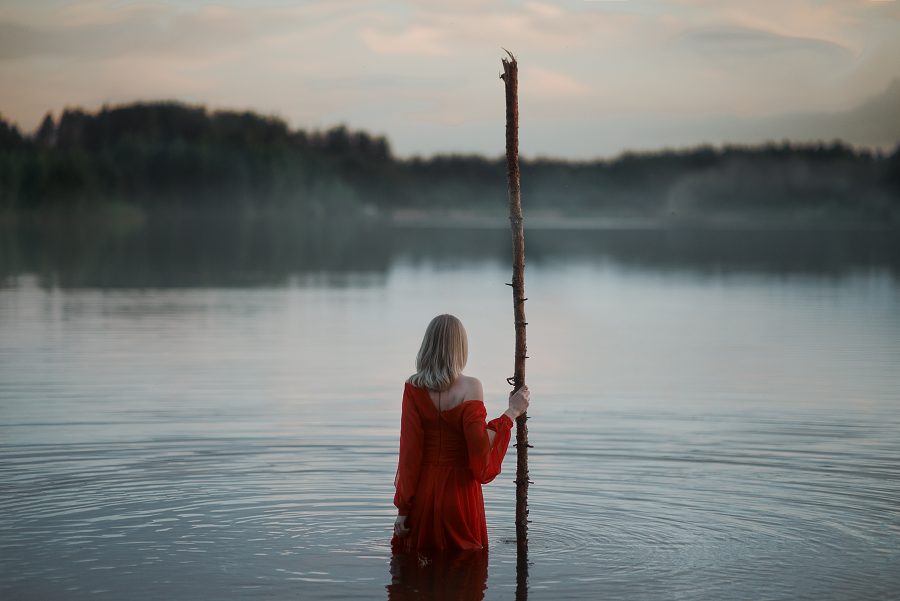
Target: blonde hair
[{"x": 443, "y": 354}]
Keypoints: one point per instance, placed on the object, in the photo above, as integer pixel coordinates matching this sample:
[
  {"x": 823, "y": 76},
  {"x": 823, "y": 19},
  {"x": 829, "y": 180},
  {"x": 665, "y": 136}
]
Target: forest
[{"x": 173, "y": 157}]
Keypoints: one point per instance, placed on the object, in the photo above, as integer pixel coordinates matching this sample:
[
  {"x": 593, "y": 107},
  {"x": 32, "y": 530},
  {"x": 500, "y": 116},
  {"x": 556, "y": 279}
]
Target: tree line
[{"x": 167, "y": 155}]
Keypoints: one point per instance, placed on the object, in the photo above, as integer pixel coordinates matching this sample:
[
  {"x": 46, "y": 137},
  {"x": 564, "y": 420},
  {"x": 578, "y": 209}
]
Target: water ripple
[{"x": 234, "y": 444}]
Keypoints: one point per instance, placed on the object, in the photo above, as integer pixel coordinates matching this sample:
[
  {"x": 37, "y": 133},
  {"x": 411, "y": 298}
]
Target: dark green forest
[{"x": 173, "y": 157}]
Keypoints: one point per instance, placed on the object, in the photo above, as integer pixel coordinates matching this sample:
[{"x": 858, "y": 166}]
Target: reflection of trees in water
[
  {"x": 209, "y": 251},
  {"x": 439, "y": 576},
  {"x": 765, "y": 251},
  {"x": 826, "y": 252},
  {"x": 222, "y": 251}
]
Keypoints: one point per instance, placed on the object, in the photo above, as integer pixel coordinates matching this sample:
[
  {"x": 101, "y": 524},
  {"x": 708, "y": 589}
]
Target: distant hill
[{"x": 164, "y": 156}]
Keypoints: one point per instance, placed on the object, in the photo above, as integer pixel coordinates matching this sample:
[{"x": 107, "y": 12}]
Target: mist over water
[
  {"x": 212, "y": 410},
  {"x": 278, "y": 249}
]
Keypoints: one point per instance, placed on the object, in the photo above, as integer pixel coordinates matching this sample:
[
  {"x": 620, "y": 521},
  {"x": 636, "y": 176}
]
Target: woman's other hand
[
  {"x": 518, "y": 402},
  {"x": 400, "y": 528}
]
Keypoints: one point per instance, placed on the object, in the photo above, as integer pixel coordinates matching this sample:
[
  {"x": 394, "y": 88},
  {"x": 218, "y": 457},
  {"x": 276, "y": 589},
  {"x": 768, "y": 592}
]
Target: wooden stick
[{"x": 510, "y": 78}]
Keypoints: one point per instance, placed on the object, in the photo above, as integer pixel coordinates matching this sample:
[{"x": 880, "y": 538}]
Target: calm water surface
[{"x": 703, "y": 429}]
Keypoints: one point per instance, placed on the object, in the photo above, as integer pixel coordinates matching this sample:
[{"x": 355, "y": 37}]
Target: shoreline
[
  {"x": 132, "y": 216},
  {"x": 424, "y": 220}
]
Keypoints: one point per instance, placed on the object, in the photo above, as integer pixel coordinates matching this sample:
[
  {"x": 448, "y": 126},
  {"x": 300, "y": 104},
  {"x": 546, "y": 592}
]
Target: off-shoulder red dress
[{"x": 445, "y": 457}]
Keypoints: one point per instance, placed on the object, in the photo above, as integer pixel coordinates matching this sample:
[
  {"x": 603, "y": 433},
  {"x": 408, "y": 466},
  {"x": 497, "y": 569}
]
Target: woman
[{"x": 446, "y": 450}]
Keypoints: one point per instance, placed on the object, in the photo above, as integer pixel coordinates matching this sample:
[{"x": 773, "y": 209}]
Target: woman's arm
[
  {"x": 487, "y": 442},
  {"x": 412, "y": 438},
  {"x": 518, "y": 404}
]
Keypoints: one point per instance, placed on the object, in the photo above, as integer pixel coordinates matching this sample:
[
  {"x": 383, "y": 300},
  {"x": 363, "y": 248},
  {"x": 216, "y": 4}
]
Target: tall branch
[{"x": 510, "y": 78}]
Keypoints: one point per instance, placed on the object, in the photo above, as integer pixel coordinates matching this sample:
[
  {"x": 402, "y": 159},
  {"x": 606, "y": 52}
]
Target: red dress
[{"x": 445, "y": 457}]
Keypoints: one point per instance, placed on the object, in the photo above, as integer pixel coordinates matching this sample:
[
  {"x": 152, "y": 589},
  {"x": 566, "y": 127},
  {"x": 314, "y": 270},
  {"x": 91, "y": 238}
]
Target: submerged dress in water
[{"x": 445, "y": 457}]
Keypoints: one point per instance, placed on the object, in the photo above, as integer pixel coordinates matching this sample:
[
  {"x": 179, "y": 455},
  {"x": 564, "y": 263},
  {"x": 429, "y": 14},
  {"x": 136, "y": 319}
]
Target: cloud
[
  {"x": 595, "y": 77},
  {"x": 539, "y": 82},
  {"x": 18, "y": 42},
  {"x": 744, "y": 43},
  {"x": 387, "y": 83},
  {"x": 421, "y": 41},
  {"x": 138, "y": 30},
  {"x": 874, "y": 123}
]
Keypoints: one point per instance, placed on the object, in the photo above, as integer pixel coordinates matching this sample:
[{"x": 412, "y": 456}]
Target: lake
[{"x": 210, "y": 410}]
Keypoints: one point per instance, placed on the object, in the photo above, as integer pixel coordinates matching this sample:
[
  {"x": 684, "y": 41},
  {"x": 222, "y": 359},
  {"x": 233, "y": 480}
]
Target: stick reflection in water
[{"x": 522, "y": 574}]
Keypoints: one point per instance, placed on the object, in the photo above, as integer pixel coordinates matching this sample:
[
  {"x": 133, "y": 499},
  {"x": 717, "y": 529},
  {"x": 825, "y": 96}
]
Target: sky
[{"x": 597, "y": 78}]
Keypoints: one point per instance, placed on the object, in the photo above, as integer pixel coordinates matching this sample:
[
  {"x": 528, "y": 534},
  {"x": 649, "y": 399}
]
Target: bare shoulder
[{"x": 471, "y": 388}]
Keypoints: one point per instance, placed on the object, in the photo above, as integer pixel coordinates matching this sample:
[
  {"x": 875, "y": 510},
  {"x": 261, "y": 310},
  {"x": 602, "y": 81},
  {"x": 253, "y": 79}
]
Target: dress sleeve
[
  {"x": 484, "y": 459},
  {"x": 412, "y": 437}
]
